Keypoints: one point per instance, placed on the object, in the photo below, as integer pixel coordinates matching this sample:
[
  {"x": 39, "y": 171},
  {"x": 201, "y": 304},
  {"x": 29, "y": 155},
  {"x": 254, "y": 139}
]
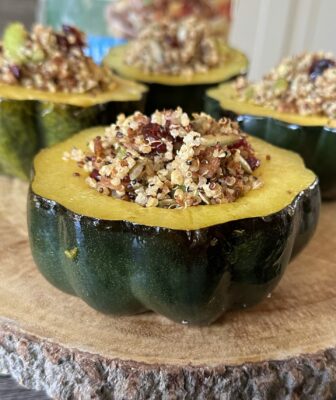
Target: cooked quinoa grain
[
  {"x": 170, "y": 160},
  {"x": 52, "y": 61},
  {"x": 181, "y": 47},
  {"x": 304, "y": 84}
]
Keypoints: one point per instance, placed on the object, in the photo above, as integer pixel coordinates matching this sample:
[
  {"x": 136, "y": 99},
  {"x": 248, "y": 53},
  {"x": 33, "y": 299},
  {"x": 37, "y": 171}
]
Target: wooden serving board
[{"x": 284, "y": 348}]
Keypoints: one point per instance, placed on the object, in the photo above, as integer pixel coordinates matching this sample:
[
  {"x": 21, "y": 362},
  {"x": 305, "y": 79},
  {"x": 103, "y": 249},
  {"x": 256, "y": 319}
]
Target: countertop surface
[{"x": 10, "y": 390}]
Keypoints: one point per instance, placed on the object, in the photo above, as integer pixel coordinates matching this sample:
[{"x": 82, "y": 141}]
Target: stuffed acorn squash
[
  {"x": 178, "y": 61},
  {"x": 296, "y": 111},
  {"x": 49, "y": 90},
  {"x": 187, "y": 219}
]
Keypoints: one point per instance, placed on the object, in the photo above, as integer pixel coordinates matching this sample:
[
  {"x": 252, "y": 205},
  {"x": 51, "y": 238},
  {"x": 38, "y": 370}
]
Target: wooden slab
[{"x": 282, "y": 348}]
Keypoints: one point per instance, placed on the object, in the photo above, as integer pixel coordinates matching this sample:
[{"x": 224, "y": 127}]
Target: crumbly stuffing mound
[
  {"x": 126, "y": 18},
  {"x": 52, "y": 61},
  {"x": 170, "y": 160},
  {"x": 174, "y": 47},
  {"x": 304, "y": 84}
]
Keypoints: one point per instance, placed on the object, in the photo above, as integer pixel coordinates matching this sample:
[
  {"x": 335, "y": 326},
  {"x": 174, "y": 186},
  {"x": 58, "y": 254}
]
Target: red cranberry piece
[
  {"x": 154, "y": 131},
  {"x": 126, "y": 180},
  {"x": 319, "y": 66},
  {"x": 241, "y": 143},
  {"x": 95, "y": 175},
  {"x": 253, "y": 162},
  {"x": 62, "y": 41},
  {"x": 160, "y": 148},
  {"x": 71, "y": 30},
  {"x": 172, "y": 41}
]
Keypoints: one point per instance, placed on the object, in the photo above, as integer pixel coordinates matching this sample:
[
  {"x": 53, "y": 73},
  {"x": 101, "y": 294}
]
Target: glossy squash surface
[{"x": 31, "y": 119}]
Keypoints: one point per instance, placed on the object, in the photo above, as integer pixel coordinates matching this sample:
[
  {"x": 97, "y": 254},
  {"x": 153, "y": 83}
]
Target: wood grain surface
[
  {"x": 289, "y": 339},
  {"x": 13, "y": 10}
]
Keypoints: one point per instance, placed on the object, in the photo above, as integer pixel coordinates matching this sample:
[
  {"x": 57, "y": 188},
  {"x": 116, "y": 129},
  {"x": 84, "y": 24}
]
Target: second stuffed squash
[
  {"x": 49, "y": 90},
  {"x": 178, "y": 61},
  {"x": 294, "y": 107}
]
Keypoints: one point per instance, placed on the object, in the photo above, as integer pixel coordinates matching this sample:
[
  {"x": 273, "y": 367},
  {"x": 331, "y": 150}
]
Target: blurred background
[{"x": 266, "y": 30}]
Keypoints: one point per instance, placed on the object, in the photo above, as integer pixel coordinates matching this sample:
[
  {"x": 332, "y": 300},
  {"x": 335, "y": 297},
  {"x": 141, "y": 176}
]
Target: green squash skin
[
  {"x": 191, "y": 98},
  {"x": 57, "y": 122},
  {"x": 188, "y": 276},
  {"x": 27, "y": 126},
  {"x": 315, "y": 144},
  {"x": 213, "y": 108},
  {"x": 17, "y": 136}
]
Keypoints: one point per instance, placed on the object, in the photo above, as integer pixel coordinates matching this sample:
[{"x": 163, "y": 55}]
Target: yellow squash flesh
[
  {"x": 227, "y": 97},
  {"x": 284, "y": 177},
  {"x": 236, "y": 64},
  {"x": 122, "y": 90}
]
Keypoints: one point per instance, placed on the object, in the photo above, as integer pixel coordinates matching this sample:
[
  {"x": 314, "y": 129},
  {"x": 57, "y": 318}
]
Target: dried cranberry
[
  {"x": 160, "y": 148},
  {"x": 241, "y": 143},
  {"x": 153, "y": 131},
  {"x": 71, "y": 30},
  {"x": 62, "y": 42},
  {"x": 319, "y": 66},
  {"x": 16, "y": 71},
  {"x": 126, "y": 180},
  {"x": 172, "y": 41},
  {"x": 178, "y": 141},
  {"x": 95, "y": 175},
  {"x": 253, "y": 162}
]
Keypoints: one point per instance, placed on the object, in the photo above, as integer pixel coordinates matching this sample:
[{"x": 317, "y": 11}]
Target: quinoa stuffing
[
  {"x": 126, "y": 18},
  {"x": 175, "y": 47},
  {"x": 304, "y": 84},
  {"x": 170, "y": 160},
  {"x": 51, "y": 61}
]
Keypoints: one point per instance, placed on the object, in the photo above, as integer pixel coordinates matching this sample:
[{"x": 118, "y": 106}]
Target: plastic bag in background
[
  {"x": 88, "y": 15},
  {"x": 126, "y": 18}
]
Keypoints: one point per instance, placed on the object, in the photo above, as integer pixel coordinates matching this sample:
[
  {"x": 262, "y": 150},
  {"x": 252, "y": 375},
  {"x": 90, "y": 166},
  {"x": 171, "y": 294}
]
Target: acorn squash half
[
  {"x": 31, "y": 119},
  {"x": 313, "y": 137},
  {"x": 190, "y": 265},
  {"x": 188, "y": 92}
]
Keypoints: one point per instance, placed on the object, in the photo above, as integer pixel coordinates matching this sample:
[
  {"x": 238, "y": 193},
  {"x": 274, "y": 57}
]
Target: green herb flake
[
  {"x": 249, "y": 93},
  {"x": 121, "y": 152},
  {"x": 281, "y": 85}
]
